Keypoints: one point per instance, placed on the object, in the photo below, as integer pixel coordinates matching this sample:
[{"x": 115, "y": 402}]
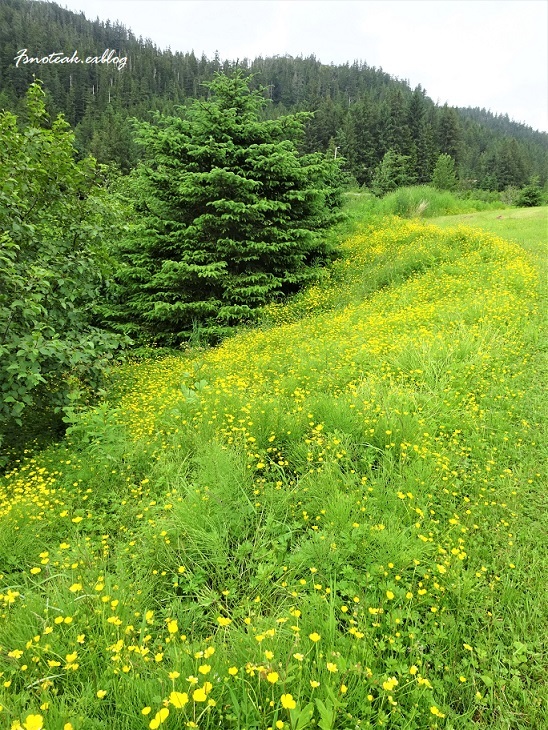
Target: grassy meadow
[
  {"x": 333, "y": 520},
  {"x": 422, "y": 201},
  {"x": 526, "y": 226}
]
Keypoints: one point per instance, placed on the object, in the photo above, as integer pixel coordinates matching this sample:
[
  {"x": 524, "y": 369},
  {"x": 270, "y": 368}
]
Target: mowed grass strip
[
  {"x": 334, "y": 520},
  {"x": 526, "y": 226}
]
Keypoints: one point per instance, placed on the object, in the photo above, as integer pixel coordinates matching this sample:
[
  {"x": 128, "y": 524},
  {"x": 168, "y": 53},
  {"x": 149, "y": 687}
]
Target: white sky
[{"x": 486, "y": 53}]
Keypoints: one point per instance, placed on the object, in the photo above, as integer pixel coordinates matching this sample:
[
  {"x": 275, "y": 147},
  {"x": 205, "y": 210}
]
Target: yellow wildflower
[
  {"x": 159, "y": 718},
  {"x": 199, "y": 695},
  {"x": 178, "y": 699},
  {"x": 288, "y": 703},
  {"x": 34, "y": 722}
]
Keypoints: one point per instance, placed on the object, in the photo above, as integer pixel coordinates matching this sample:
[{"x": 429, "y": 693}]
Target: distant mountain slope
[
  {"x": 500, "y": 123},
  {"x": 360, "y": 110}
]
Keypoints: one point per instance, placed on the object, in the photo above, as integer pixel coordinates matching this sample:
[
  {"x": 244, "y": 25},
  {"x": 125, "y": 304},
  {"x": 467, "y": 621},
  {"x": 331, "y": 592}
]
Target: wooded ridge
[{"x": 359, "y": 110}]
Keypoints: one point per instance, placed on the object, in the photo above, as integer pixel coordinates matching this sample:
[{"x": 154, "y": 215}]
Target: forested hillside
[{"x": 361, "y": 111}]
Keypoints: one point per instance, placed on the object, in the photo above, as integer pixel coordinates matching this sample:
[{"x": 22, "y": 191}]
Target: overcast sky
[{"x": 486, "y": 53}]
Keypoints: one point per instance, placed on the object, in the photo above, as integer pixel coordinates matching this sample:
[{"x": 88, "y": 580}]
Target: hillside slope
[{"x": 337, "y": 515}]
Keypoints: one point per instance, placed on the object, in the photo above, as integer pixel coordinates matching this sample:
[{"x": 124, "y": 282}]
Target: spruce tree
[
  {"x": 391, "y": 173},
  {"x": 445, "y": 177},
  {"x": 230, "y": 215},
  {"x": 356, "y": 139},
  {"x": 426, "y": 151},
  {"x": 450, "y": 133}
]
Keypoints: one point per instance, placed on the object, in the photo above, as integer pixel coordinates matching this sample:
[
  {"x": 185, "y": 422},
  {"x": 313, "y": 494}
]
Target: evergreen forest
[{"x": 359, "y": 110}]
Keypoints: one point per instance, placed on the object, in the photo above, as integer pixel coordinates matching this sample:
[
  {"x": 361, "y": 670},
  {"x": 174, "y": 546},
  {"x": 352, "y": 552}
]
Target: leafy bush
[
  {"x": 530, "y": 196},
  {"x": 53, "y": 267}
]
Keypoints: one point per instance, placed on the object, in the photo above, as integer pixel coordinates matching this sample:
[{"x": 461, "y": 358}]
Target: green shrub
[
  {"x": 53, "y": 267},
  {"x": 530, "y": 196},
  {"x": 428, "y": 202}
]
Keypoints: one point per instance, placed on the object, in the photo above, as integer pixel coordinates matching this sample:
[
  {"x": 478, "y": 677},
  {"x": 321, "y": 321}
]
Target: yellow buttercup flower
[
  {"x": 390, "y": 684},
  {"x": 434, "y": 710},
  {"x": 34, "y": 722},
  {"x": 178, "y": 699},
  {"x": 288, "y": 702},
  {"x": 159, "y": 718}
]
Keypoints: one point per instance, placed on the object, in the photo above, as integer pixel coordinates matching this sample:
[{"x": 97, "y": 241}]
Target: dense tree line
[{"x": 359, "y": 111}]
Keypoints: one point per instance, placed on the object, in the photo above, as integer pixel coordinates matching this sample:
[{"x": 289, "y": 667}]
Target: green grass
[
  {"x": 334, "y": 520},
  {"x": 526, "y": 226},
  {"x": 416, "y": 201}
]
